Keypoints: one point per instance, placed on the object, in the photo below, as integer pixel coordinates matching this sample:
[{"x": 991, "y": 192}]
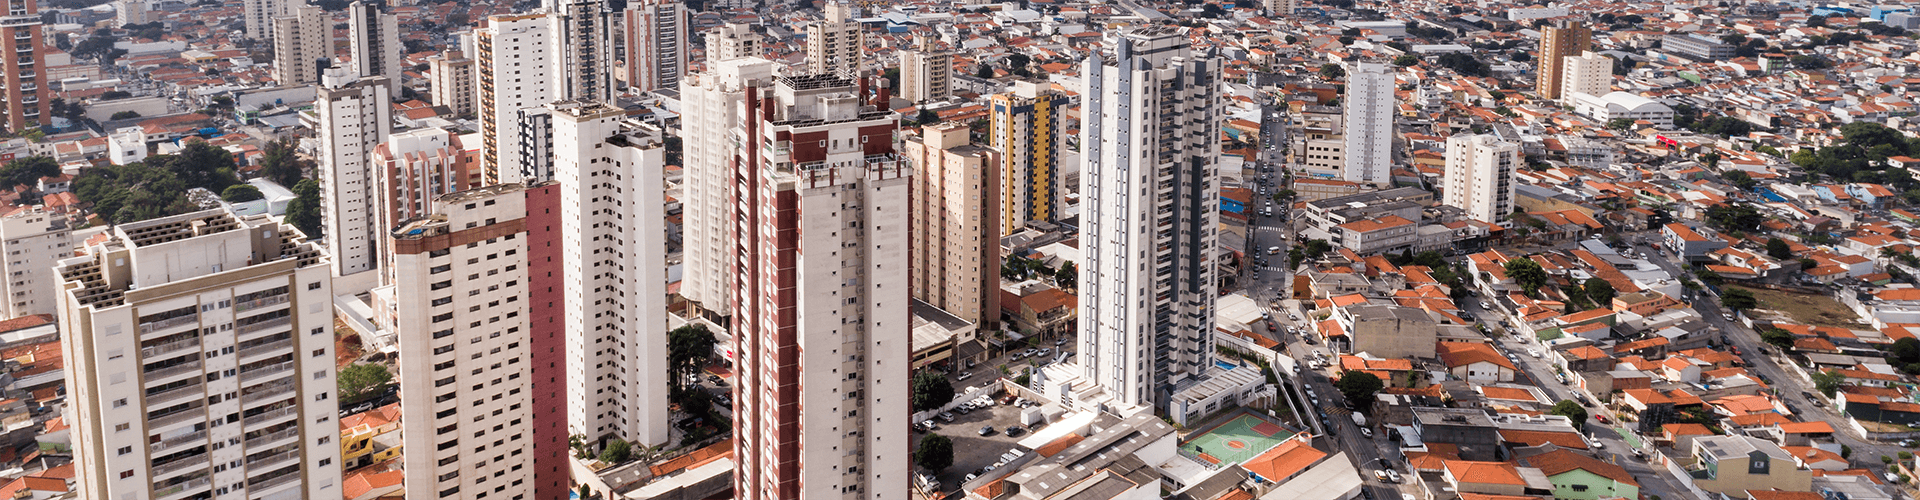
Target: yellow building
[
  {"x": 370, "y": 437},
  {"x": 1028, "y": 125}
]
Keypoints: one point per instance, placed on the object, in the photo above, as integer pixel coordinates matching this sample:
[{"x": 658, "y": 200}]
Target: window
[
  {"x": 126, "y": 474},
  {"x": 125, "y": 450}
]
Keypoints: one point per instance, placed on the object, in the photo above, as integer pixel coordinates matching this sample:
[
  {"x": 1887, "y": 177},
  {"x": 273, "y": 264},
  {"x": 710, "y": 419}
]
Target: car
[
  {"x": 1061, "y": 342},
  {"x": 1310, "y": 340},
  {"x": 1380, "y": 475},
  {"x": 1561, "y": 377},
  {"x": 1015, "y": 431},
  {"x": 1030, "y": 352},
  {"x": 1393, "y": 475},
  {"x": 1810, "y": 397},
  {"x": 964, "y": 376},
  {"x": 1366, "y": 432},
  {"x": 1599, "y": 445},
  {"x": 987, "y": 431},
  {"x": 946, "y": 417},
  {"x": 971, "y": 477},
  {"x": 1533, "y": 352},
  {"x": 1728, "y": 316},
  {"x": 1486, "y": 305},
  {"x": 1602, "y": 419},
  {"x": 929, "y": 424}
]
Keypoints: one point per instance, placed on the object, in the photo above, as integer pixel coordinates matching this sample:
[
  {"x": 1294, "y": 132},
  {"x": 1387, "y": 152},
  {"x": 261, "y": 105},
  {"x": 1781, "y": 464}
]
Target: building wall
[
  {"x": 1027, "y": 129},
  {"x": 656, "y": 46},
  {"x": 451, "y": 80},
  {"x": 1369, "y": 124},
  {"x": 461, "y": 319},
  {"x": 515, "y": 55},
  {"x": 956, "y": 241},
  {"x": 926, "y": 72},
  {"x": 355, "y": 116},
  {"x": 1732, "y": 478},
  {"x": 1556, "y": 44},
  {"x": 1587, "y": 73},
  {"x": 374, "y": 42},
  {"x": 546, "y": 282},
  {"x": 32, "y": 240},
  {"x": 710, "y": 109},
  {"x": 27, "y": 93},
  {"x": 1149, "y": 288},
  {"x": 1480, "y": 176},
  {"x": 420, "y": 166},
  {"x": 836, "y": 44},
  {"x": 300, "y": 39}
]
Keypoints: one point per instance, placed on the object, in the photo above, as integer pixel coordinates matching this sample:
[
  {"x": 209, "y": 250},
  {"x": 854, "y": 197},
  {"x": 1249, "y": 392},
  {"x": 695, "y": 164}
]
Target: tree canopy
[
  {"x": 1738, "y": 299},
  {"x": 157, "y": 186},
  {"x": 359, "y": 380},
  {"x": 930, "y": 390},
  {"x": 1358, "y": 387},
  {"x": 1571, "y": 410},
  {"x": 689, "y": 348},
  {"x": 28, "y": 171},
  {"x": 1600, "y": 291},
  {"x": 935, "y": 453},
  {"x": 241, "y": 193},
  {"x": 304, "y": 211},
  {"x": 1526, "y": 273}
]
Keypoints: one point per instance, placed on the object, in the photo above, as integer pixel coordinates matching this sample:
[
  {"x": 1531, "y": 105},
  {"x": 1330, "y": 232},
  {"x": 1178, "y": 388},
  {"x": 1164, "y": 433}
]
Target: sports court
[{"x": 1235, "y": 441}]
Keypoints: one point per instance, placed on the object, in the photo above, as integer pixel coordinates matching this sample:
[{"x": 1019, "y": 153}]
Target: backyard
[{"x": 1804, "y": 308}]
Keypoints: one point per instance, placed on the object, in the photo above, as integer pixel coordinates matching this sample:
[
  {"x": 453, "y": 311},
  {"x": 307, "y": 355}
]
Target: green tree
[
  {"x": 360, "y": 380},
  {"x": 122, "y": 115},
  {"x": 1741, "y": 180},
  {"x": 1828, "y": 381},
  {"x": 1738, "y": 299},
  {"x": 983, "y": 71},
  {"x": 1620, "y": 123},
  {"x": 930, "y": 390},
  {"x": 935, "y": 453},
  {"x": 1526, "y": 273},
  {"x": 1778, "y": 249},
  {"x": 1331, "y": 71},
  {"x": 616, "y": 452},
  {"x": 1068, "y": 276},
  {"x": 1571, "y": 410},
  {"x": 1735, "y": 217},
  {"x": 1779, "y": 338},
  {"x": 926, "y": 117},
  {"x": 240, "y": 193},
  {"x": 1906, "y": 350},
  {"x": 304, "y": 211},
  {"x": 1406, "y": 60},
  {"x": 1600, "y": 291},
  {"x": 689, "y": 349},
  {"x": 1358, "y": 387},
  {"x": 28, "y": 171},
  {"x": 280, "y": 162}
]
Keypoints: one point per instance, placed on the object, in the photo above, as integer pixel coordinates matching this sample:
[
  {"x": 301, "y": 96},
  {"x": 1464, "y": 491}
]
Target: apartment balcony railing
[
  {"x": 273, "y": 481},
  {"x": 190, "y": 366},
  {"x": 267, "y": 416},
  {"x": 146, "y": 328},
  {"x": 267, "y": 347},
  {"x": 195, "y": 437},
  {"x": 249, "y": 305},
  {"x": 264, "y": 325},
  {"x": 169, "y": 347},
  {"x": 267, "y": 462},
  {"x": 185, "y": 416},
  {"x": 181, "y": 464},
  {"x": 265, "y": 370},
  {"x": 256, "y": 394},
  {"x": 170, "y": 491},
  {"x": 172, "y": 395},
  {"x": 262, "y": 440}
]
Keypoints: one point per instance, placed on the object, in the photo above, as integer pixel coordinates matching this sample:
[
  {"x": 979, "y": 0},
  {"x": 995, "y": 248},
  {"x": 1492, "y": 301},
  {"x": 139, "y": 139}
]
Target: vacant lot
[{"x": 1806, "y": 309}]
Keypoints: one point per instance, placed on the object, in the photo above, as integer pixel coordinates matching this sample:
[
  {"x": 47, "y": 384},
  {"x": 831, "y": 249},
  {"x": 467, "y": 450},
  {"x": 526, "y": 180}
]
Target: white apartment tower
[
  {"x": 356, "y": 115},
  {"x": 583, "y": 38},
  {"x": 515, "y": 55},
  {"x": 821, "y": 244},
  {"x": 655, "y": 37},
  {"x": 836, "y": 43},
  {"x": 451, "y": 80},
  {"x": 1587, "y": 73},
  {"x": 259, "y": 16},
  {"x": 300, "y": 41},
  {"x": 926, "y": 72},
  {"x": 734, "y": 41},
  {"x": 199, "y": 361},
  {"x": 1369, "y": 124},
  {"x": 1149, "y": 215},
  {"x": 127, "y": 12},
  {"x": 1480, "y": 176},
  {"x": 1280, "y": 7},
  {"x": 614, "y": 242},
  {"x": 375, "y": 40},
  {"x": 32, "y": 239},
  {"x": 460, "y": 310},
  {"x": 710, "y": 111}
]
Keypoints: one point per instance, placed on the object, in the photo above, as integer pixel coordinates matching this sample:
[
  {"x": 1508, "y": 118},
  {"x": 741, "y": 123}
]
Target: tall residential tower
[
  {"x": 1556, "y": 44},
  {"x": 301, "y": 41},
  {"x": 1027, "y": 126},
  {"x": 1480, "y": 176},
  {"x": 956, "y": 233},
  {"x": 374, "y": 37},
  {"x": 710, "y": 112},
  {"x": 656, "y": 44},
  {"x": 835, "y": 44},
  {"x": 356, "y": 115},
  {"x": 1369, "y": 124}
]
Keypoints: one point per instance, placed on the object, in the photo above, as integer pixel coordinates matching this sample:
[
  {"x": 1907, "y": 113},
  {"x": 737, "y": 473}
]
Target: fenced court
[{"x": 1235, "y": 441}]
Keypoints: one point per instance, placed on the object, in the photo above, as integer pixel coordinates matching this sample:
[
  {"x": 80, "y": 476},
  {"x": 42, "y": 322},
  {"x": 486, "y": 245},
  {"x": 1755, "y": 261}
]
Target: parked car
[
  {"x": 987, "y": 431},
  {"x": 964, "y": 376},
  {"x": 1015, "y": 431},
  {"x": 1393, "y": 475},
  {"x": 1810, "y": 397}
]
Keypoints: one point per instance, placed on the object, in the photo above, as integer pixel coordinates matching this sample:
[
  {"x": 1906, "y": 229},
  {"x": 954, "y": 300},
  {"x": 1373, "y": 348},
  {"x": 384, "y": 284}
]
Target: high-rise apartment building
[
  {"x": 1556, "y": 44},
  {"x": 1028, "y": 129},
  {"x": 821, "y": 239},
  {"x": 1587, "y": 73},
  {"x": 956, "y": 233},
  {"x": 199, "y": 361},
  {"x": 516, "y": 55},
  {"x": 300, "y": 41},
  {"x": 1480, "y": 176},
  {"x": 451, "y": 80},
  {"x": 836, "y": 44},
  {"x": 926, "y": 72},
  {"x": 127, "y": 12},
  {"x": 463, "y": 316},
  {"x": 734, "y": 41},
  {"x": 356, "y": 116},
  {"x": 614, "y": 242},
  {"x": 23, "y": 79},
  {"x": 419, "y": 166},
  {"x": 1149, "y": 215},
  {"x": 1280, "y": 7},
  {"x": 583, "y": 49},
  {"x": 374, "y": 37},
  {"x": 656, "y": 44},
  {"x": 710, "y": 110},
  {"x": 258, "y": 16},
  {"x": 1369, "y": 124},
  {"x": 32, "y": 240}
]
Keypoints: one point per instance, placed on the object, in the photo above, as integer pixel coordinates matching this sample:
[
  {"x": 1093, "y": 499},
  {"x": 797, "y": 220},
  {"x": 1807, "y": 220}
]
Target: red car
[{"x": 1602, "y": 419}]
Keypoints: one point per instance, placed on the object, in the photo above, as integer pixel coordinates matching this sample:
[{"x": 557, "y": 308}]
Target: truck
[{"x": 1360, "y": 420}]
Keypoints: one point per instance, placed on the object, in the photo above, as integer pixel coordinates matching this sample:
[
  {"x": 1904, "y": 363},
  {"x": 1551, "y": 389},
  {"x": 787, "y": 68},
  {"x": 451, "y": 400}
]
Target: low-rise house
[
  {"x": 1734, "y": 464},
  {"x": 1576, "y": 476},
  {"x": 1475, "y": 362},
  {"x": 1494, "y": 478}
]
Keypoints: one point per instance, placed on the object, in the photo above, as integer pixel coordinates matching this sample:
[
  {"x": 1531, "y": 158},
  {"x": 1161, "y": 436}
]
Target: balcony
[
  {"x": 264, "y": 325},
  {"x": 179, "y": 369},
  {"x": 261, "y": 392},
  {"x": 266, "y": 348},
  {"x": 146, "y": 328},
  {"x": 189, "y": 415},
  {"x": 244, "y": 306},
  {"x": 267, "y": 416},
  {"x": 266, "y": 484},
  {"x": 170, "y": 347},
  {"x": 183, "y": 463},
  {"x": 196, "y": 437},
  {"x": 173, "y": 395},
  {"x": 257, "y": 372},
  {"x": 177, "y": 489},
  {"x": 265, "y": 439},
  {"x": 269, "y": 461}
]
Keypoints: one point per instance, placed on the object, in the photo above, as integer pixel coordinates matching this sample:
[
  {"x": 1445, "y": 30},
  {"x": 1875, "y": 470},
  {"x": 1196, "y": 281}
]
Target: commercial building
[
  {"x": 836, "y": 44},
  {"x": 199, "y": 361},
  {"x": 1557, "y": 43},
  {"x": 823, "y": 213},
  {"x": 23, "y": 84},
  {"x": 516, "y": 69},
  {"x": 1587, "y": 73},
  {"x": 1480, "y": 176},
  {"x": 708, "y": 102},
  {"x": 1149, "y": 324},
  {"x": 356, "y": 116},
  {"x": 461, "y": 308},
  {"x": 1027, "y": 127},
  {"x": 451, "y": 81},
  {"x": 926, "y": 72},
  {"x": 1369, "y": 124},
  {"x": 614, "y": 245},
  {"x": 1619, "y": 105},
  {"x": 33, "y": 239},
  {"x": 374, "y": 38},
  {"x": 1388, "y": 331},
  {"x": 956, "y": 234},
  {"x": 1696, "y": 47},
  {"x": 656, "y": 44},
  {"x": 1375, "y": 236},
  {"x": 419, "y": 166},
  {"x": 1320, "y": 142},
  {"x": 302, "y": 45}
]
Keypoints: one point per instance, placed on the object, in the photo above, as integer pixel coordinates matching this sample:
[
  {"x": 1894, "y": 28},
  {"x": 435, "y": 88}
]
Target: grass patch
[
  {"x": 1885, "y": 427},
  {"x": 1806, "y": 309}
]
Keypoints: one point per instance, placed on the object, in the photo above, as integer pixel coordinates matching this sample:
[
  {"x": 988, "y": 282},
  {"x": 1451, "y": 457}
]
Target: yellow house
[{"x": 370, "y": 437}]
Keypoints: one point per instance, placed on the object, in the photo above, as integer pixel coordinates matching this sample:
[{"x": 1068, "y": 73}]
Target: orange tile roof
[
  {"x": 1686, "y": 430},
  {"x": 1570, "y": 440},
  {"x": 1783, "y": 495},
  {"x": 1484, "y": 472},
  {"x": 1559, "y": 462},
  {"x": 696, "y": 458},
  {"x": 1058, "y": 445},
  {"x": 1458, "y": 354},
  {"x": 1511, "y": 393},
  {"x": 1814, "y": 427},
  {"x": 1284, "y": 461}
]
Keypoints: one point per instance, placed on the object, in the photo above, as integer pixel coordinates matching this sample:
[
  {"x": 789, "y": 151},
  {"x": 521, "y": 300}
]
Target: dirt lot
[{"x": 1817, "y": 310}]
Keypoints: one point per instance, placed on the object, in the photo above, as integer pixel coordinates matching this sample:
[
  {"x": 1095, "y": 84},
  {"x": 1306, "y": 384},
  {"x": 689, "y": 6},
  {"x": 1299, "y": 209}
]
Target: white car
[{"x": 1533, "y": 352}]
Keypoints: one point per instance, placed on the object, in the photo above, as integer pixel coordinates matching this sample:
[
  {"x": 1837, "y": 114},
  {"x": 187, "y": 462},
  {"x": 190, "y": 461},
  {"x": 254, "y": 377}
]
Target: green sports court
[{"x": 1237, "y": 440}]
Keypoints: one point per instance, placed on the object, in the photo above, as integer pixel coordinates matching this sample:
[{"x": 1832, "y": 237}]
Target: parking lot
[{"x": 971, "y": 451}]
